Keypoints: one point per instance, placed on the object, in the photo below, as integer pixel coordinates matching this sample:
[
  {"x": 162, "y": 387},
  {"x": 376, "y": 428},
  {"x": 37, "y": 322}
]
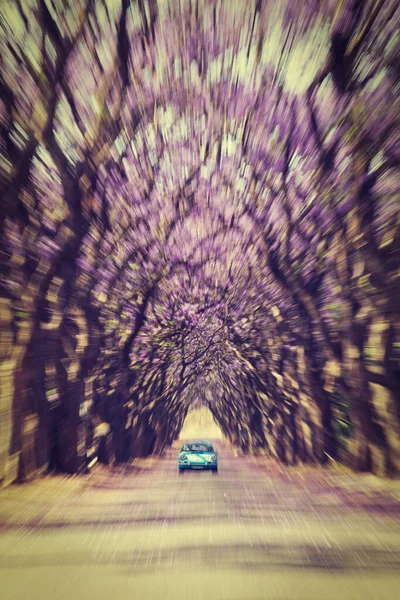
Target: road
[{"x": 251, "y": 532}]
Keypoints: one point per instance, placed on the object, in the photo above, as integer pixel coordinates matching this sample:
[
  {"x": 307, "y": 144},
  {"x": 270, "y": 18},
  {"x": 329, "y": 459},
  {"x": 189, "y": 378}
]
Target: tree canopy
[{"x": 200, "y": 202}]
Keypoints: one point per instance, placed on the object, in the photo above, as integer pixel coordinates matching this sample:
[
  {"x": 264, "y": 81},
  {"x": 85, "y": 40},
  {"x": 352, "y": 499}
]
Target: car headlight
[
  {"x": 213, "y": 458},
  {"x": 182, "y": 457}
]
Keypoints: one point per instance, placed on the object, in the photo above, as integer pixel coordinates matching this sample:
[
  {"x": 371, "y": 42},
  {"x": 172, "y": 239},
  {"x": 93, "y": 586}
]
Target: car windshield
[{"x": 197, "y": 448}]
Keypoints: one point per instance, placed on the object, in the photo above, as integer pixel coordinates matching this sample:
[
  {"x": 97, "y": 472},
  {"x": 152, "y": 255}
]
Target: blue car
[{"x": 197, "y": 455}]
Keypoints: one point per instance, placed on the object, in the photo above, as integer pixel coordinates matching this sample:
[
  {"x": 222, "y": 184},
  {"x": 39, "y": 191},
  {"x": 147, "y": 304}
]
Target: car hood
[{"x": 199, "y": 456}]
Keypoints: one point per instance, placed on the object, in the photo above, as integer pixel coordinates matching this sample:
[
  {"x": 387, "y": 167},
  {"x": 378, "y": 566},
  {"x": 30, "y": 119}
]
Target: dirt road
[{"x": 251, "y": 532}]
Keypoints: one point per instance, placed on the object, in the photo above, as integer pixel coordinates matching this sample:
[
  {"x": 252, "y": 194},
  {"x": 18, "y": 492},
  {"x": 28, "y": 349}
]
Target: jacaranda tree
[{"x": 199, "y": 203}]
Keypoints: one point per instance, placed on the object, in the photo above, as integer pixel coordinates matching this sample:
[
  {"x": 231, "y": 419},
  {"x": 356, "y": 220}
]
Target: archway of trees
[{"x": 200, "y": 200}]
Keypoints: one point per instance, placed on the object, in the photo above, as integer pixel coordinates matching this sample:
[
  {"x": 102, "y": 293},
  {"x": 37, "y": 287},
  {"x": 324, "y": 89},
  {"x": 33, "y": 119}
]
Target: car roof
[{"x": 197, "y": 442}]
